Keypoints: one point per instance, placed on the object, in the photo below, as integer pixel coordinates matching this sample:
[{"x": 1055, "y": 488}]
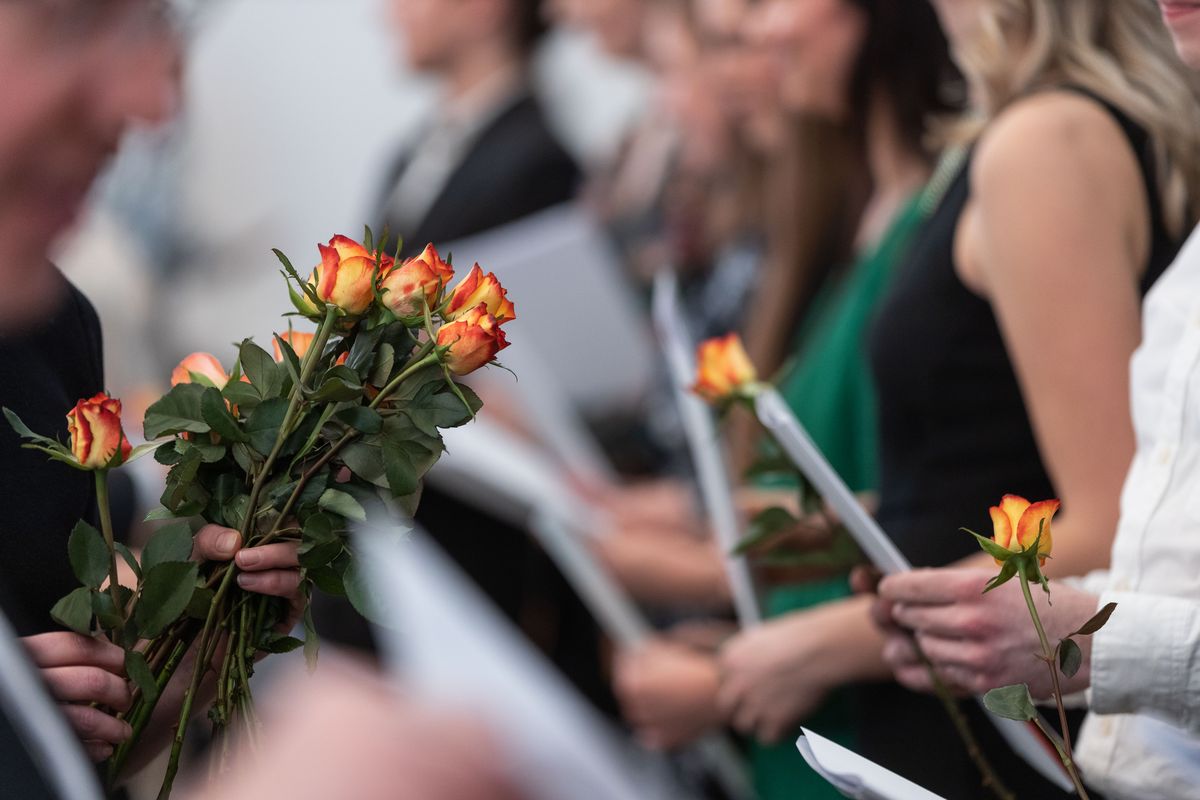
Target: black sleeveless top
[
  {"x": 955, "y": 437},
  {"x": 954, "y": 432},
  {"x": 43, "y": 372}
]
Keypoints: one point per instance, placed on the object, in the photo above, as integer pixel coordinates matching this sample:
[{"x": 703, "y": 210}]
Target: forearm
[{"x": 851, "y": 645}]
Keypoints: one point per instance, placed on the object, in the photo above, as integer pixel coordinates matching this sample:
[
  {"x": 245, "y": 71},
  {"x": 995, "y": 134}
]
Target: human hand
[
  {"x": 661, "y": 505},
  {"x": 386, "y": 748},
  {"x": 976, "y": 641},
  {"x": 79, "y": 671},
  {"x": 271, "y": 569},
  {"x": 668, "y": 693},
  {"x": 671, "y": 571},
  {"x": 773, "y": 676}
]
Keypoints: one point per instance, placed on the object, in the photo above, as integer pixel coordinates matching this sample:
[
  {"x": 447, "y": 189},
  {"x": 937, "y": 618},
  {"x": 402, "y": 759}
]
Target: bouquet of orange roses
[{"x": 287, "y": 446}]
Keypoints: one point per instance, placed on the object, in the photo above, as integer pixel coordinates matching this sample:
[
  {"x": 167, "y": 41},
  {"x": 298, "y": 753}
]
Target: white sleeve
[
  {"x": 1147, "y": 658},
  {"x": 1094, "y": 582}
]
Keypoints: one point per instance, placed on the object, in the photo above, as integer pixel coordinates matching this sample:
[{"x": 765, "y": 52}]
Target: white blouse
[{"x": 1142, "y": 738}]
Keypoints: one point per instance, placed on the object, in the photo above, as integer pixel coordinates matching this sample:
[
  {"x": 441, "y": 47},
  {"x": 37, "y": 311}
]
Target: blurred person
[
  {"x": 871, "y": 87},
  {"x": 1142, "y": 737},
  {"x": 487, "y": 156},
  {"x": 78, "y": 75},
  {"x": 1081, "y": 180}
]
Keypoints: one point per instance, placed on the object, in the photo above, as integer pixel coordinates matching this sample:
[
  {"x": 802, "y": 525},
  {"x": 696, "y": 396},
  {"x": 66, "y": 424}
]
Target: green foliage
[
  {"x": 1011, "y": 702},
  {"x": 766, "y": 526},
  {"x": 362, "y": 418},
  {"x": 343, "y": 504},
  {"x": 218, "y": 417},
  {"x": 139, "y": 672},
  {"x": 166, "y": 591},
  {"x": 1070, "y": 657},
  {"x": 75, "y": 611},
  {"x": 260, "y": 369},
  {"x": 1097, "y": 622},
  {"x": 178, "y": 411},
  {"x": 264, "y": 424},
  {"x": 170, "y": 543},
  {"x": 88, "y": 555},
  {"x": 340, "y": 384}
]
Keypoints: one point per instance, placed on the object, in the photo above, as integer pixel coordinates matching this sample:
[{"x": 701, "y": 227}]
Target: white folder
[{"x": 854, "y": 776}]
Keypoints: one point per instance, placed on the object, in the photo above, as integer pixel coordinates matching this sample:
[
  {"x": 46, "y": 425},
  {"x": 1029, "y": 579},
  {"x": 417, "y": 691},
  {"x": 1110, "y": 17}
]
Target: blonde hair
[{"x": 1118, "y": 49}]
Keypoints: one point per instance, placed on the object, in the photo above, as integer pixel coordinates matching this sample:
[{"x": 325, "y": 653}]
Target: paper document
[
  {"x": 448, "y": 644},
  {"x": 1023, "y": 737},
  {"x": 704, "y": 443},
  {"x": 855, "y": 776}
]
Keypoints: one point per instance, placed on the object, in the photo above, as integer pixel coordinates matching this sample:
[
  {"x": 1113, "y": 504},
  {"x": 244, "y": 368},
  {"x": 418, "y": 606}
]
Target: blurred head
[
  {"x": 1119, "y": 50},
  {"x": 1183, "y": 20},
  {"x": 616, "y": 24},
  {"x": 76, "y": 74},
  {"x": 437, "y": 32}
]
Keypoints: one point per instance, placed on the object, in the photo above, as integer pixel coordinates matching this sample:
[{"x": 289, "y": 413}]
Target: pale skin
[
  {"x": 983, "y": 641},
  {"x": 1055, "y": 236},
  {"x": 81, "y": 670}
]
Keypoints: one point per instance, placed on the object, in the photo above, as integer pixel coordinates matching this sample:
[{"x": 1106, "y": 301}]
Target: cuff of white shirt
[{"x": 1141, "y": 660}]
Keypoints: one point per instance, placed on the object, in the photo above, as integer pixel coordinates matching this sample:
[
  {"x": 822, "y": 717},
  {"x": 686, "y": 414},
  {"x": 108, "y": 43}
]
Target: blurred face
[
  {"x": 814, "y": 44},
  {"x": 430, "y": 30},
  {"x": 616, "y": 24},
  {"x": 1183, "y": 19},
  {"x": 75, "y": 74}
]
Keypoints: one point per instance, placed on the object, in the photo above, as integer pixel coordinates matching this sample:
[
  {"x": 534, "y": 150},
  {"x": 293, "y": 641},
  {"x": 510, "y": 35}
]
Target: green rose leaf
[
  {"x": 260, "y": 368},
  {"x": 170, "y": 543},
  {"x": 201, "y": 601},
  {"x": 338, "y": 385},
  {"x": 88, "y": 554},
  {"x": 1007, "y": 573},
  {"x": 106, "y": 613},
  {"x": 320, "y": 543},
  {"x": 1011, "y": 702},
  {"x": 75, "y": 611},
  {"x": 362, "y": 418},
  {"x": 343, "y": 504},
  {"x": 242, "y": 395},
  {"x": 398, "y": 467},
  {"x": 766, "y": 525},
  {"x": 1096, "y": 622},
  {"x": 216, "y": 414},
  {"x": 1070, "y": 657},
  {"x": 991, "y": 547},
  {"x": 281, "y": 644},
  {"x": 139, "y": 672},
  {"x": 178, "y": 411},
  {"x": 360, "y": 592},
  {"x": 129, "y": 558},
  {"x": 166, "y": 592},
  {"x": 264, "y": 423}
]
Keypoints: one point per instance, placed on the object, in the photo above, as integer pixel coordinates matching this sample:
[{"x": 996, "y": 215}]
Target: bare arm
[{"x": 1056, "y": 237}]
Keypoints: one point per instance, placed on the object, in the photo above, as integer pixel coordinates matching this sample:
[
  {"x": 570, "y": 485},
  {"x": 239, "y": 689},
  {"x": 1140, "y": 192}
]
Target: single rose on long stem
[
  {"x": 345, "y": 278},
  {"x": 724, "y": 372}
]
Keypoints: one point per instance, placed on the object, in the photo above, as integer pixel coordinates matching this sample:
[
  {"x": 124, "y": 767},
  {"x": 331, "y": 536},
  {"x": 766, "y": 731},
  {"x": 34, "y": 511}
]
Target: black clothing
[
  {"x": 44, "y": 371},
  {"x": 514, "y": 167},
  {"x": 955, "y": 437}
]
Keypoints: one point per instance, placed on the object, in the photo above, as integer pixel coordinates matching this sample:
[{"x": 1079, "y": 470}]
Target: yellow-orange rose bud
[
  {"x": 204, "y": 366},
  {"x": 96, "y": 434},
  {"x": 1016, "y": 524},
  {"x": 472, "y": 340},
  {"x": 478, "y": 288},
  {"x": 409, "y": 287},
  {"x": 723, "y": 368},
  {"x": 345, "y": 277},
  {"x": 300, "y": 342}
]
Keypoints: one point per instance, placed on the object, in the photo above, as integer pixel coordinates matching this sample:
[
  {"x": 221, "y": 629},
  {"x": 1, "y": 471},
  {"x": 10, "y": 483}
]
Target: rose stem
[
  {"x": 114, "y": 585},
  {"x": 1048, "y": 657}
]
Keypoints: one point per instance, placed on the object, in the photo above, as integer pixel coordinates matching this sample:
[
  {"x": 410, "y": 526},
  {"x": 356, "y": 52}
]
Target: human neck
[
  {"x": 478, "y": 65},
  {"x": 896, "y": 172}
]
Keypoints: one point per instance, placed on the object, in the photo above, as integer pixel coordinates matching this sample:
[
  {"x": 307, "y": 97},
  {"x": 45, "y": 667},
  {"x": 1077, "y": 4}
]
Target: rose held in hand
[
  {"x": 1017, "y": 524},
  {"x": 345, "y": 278},
  {"x": 478, "y": 288},
  {"x": 201, "y": 368},
  {"x": 417, "y": 282},
  {"x": 724, "y": 370},
  {"x": 472, "y": 341},
  {"x": 96, "y": 434}
]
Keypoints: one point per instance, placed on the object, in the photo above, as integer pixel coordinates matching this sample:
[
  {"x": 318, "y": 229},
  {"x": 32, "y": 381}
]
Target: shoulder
[
  {"x": 525, "y": 133},
  {"x": 1053, "y": 138}
]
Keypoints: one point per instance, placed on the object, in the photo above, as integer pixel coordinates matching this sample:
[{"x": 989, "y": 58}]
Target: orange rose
[
  {"x": 407, "y": 288},
  {"x": 96, "y": 434},
  {"x": 345, "y": 277},
  {"x": 300, "y": 342},
  {"x": 478, "y": 288},
  {"x": 471, "y": 341},
  {"x": 200, "y": 368},
  {"x": 723, "y": 369},
  {"x": 1016, "y": 524}
]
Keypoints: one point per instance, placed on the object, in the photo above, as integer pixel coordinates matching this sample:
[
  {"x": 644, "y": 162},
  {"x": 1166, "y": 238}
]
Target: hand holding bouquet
[{"x": 289, "y": 447}]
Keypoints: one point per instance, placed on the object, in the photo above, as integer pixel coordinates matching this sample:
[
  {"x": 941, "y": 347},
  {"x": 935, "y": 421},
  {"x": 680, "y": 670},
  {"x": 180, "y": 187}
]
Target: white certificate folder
[{"x": 777, "y": 418}]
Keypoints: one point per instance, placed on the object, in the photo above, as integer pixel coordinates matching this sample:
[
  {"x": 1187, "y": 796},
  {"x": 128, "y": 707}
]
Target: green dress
[{"x": 828, "y": 385}]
